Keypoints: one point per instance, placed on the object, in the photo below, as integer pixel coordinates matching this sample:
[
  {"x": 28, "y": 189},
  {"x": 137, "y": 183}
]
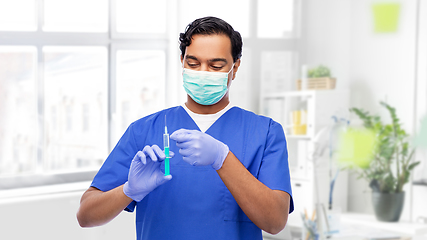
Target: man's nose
[{"x": 204, "y": 67}]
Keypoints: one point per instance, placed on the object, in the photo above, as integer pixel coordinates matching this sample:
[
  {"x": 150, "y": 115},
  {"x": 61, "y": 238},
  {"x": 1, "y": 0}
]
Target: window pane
[
  {"x": 18, "y": 110},
  {"x": 75, "y": 107},
  {"x": 277, "y": 71},
  {"x": 76, "y": 16},
  {"x": 18, "y": 15},
  {"x": 139, "y": 16},
  {"x": 235, "y": 12},
  {"x": 275, "y": 18},
  {"x": 240, "y": 90},
  {"x": 140, "y": 85}
]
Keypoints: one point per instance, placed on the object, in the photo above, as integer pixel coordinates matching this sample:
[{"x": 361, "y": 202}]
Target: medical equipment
[{"x": 166, "y": 149}]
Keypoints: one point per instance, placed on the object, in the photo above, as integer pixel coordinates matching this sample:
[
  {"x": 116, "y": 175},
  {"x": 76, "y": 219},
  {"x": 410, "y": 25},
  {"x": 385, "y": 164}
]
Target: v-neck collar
[{"x": 189, "y": 113}]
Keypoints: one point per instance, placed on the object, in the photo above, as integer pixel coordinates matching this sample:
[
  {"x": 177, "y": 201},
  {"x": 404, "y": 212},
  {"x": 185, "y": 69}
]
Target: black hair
[{"x": 208, "y": 26}]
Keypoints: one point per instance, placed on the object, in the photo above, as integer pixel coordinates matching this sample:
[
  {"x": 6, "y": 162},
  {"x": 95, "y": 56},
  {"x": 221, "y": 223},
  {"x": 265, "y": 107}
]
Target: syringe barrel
[{"x": 166, "y": 140}]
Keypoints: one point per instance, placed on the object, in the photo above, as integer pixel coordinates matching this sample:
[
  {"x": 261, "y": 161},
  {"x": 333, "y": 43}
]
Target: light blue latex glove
[
  {"x": 200, "y": 149},
  {"x": 145, "y": 173}
]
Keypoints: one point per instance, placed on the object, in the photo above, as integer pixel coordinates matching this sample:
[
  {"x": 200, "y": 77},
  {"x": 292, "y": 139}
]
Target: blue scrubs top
[{"x": 196, "y": 204}]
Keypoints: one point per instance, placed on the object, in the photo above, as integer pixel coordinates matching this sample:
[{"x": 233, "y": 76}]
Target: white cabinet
[{"x": 307, "y": 176}]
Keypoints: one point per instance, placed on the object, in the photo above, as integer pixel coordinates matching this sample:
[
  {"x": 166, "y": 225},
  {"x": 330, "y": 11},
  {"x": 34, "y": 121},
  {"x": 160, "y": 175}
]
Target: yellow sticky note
[
  {"x": 356, "y": 147},
  {"x": 386, "y": 17}
]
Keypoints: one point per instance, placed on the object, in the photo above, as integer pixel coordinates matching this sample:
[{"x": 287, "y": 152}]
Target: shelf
[
  {"x": 305, "y": 137},
  {"x": 370, "y": 223},
  {"x": 289, "y": 94},
  {"x": 306, "y": 93},
  {"x": 319, "y": 107},
  {"x": 421, "y": 182}
]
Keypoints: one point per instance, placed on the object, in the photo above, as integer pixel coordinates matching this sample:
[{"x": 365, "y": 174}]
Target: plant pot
[{"x": 388, "y": 206}]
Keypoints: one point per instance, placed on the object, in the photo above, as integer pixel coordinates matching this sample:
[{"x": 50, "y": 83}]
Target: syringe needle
[{"x": 166, "y": 126}]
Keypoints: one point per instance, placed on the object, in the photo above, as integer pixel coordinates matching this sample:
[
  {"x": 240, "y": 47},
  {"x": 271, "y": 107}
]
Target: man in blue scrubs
[{"x": 229, "y": 171}]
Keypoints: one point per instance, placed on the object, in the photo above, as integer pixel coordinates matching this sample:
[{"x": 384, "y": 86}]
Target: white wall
[
  {"x": 53, "y": 217},
  {"x": 374, "y": 66},
  {"x": 326, "y": 35}
]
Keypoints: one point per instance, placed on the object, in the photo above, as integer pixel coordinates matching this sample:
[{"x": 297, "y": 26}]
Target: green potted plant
[
  {"x": 390, "y": 165},
  {"x": 318, "y": 78},
  {"x": 319, "y": 72}
]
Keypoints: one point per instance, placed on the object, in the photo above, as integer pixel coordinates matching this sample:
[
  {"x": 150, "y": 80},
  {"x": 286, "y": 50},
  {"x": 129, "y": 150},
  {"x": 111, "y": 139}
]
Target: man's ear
[{"x": 236, "y": 67}]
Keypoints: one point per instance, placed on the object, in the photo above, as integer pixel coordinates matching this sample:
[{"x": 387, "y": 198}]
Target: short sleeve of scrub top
[{"x": 276, "y": 157}]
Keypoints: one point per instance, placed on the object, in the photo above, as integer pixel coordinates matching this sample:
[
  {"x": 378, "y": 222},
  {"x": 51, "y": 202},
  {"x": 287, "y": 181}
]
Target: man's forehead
[{"x": 209, "y": 47}]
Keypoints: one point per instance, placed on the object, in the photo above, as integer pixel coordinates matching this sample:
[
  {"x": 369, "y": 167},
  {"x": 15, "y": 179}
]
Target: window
[
  {"x": 19, "y": 15},
  {"x": 235, "y": 12},
  {"x": 75, "y": 16},
  {"x": 272, "y": 12},
  {"x": 133, "y": 16},
  {"x": 140, "y": 87},
  {"x": 75, "y": 103},
  {"x": 76, "y": 73},
  {"x": 275, "y": 67},
  {"x": 63, "y": 77},
  {"x": 18, "y": 110}
]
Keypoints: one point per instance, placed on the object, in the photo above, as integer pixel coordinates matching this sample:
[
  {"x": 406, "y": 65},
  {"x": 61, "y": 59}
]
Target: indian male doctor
[{"x": 229, "y": 171}]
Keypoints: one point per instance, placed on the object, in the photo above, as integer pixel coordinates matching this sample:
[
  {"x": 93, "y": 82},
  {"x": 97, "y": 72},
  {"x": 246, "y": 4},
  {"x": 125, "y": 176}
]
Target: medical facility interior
[{"x": 346, "y": 79}]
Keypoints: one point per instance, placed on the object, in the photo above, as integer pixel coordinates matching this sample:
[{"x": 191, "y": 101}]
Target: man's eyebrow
[
  {"x": 219, "y": 60},
  {"x": 210, "y": 60},
  {"x": 191, "y": 57}
]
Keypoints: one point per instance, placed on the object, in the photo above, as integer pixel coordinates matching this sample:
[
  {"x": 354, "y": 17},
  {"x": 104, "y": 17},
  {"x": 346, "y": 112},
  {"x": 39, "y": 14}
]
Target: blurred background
[{"x": 75, "y": 74}]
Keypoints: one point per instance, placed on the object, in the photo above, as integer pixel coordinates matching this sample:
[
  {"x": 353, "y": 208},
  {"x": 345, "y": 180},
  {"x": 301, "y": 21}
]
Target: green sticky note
[{"x": 386, "y": 17}]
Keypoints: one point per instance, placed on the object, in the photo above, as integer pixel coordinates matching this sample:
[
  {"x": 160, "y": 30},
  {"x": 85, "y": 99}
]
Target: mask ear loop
[
  {"x": 183, "y": 60},
  {"x": 231, "y": 68}
]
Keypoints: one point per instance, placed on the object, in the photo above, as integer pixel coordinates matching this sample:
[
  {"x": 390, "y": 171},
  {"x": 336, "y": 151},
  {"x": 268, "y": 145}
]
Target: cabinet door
[
  {"x": 298, "y": 151},
  {"x": 302, "y": 191}
]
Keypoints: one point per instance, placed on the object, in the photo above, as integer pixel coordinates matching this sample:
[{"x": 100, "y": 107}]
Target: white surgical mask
[{"x": 205, "y": 88}]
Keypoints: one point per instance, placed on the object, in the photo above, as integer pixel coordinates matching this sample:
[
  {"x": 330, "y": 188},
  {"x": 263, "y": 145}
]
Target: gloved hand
[
  {"x": 144, "y": 173},
  {"x": 200, "y": 149}
]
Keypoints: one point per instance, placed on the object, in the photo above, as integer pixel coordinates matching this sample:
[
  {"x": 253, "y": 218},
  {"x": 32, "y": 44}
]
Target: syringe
[{"x": 166, "y": 149}]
